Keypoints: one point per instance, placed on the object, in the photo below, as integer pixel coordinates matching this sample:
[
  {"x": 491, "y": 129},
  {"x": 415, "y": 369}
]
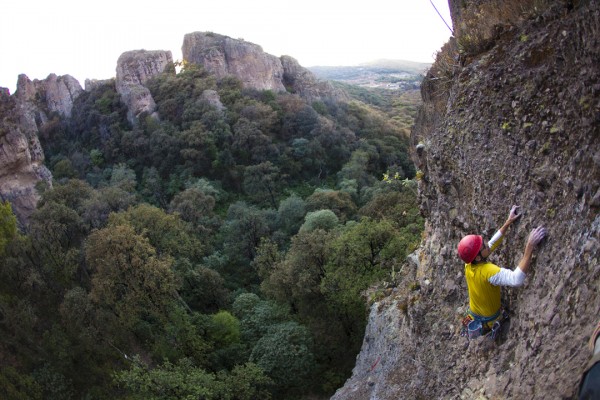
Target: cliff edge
[{"x": 515, "y": 123}]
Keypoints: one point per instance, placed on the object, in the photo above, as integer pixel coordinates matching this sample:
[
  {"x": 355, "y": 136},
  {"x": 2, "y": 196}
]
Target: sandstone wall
[{"x": 519, "y": 124}]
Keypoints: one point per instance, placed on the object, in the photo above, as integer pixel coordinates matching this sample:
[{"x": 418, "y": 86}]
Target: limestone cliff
[
  {"x": 517, "y": 123},
  {"x": 134, "y": 69}
]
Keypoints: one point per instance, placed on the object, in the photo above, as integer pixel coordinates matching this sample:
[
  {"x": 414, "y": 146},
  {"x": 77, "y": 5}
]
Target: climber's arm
[
  {"x": 496, "y": 240},
  {"x": 535, "y": 237},
  {"x": 512, "y": 217},
  {"x": 516, "y": 277}
]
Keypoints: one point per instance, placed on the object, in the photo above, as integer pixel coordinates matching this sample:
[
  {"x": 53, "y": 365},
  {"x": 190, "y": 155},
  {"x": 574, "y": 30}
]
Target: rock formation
[
  {"x": 21, "y": 155},
  {"x": 224, "y": 56},
  {"x": 134, "y": 69},
  {"x": 302, "y": 81},
  {"x": 515, "y": 124}
]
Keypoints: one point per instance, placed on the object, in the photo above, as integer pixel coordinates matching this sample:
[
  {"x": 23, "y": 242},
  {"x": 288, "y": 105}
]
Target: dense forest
[{"x": 221, "y": 251}]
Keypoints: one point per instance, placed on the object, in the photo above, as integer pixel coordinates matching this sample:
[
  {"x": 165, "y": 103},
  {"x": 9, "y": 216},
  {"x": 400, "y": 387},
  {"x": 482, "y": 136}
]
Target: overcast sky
[{"x": 85, "y": 38}]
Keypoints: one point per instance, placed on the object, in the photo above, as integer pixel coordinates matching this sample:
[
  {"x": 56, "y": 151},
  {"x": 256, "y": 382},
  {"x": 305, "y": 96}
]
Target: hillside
[
  {"x": 510, "y": 116},
  {"x": 187, "y": 232},
  {"x": 382, "y": 74}
]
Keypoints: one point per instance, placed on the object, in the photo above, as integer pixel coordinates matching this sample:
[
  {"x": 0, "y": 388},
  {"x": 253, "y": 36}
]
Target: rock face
[
  {"x": 300, "y": 80},
  {"x": 134, "y": 69},
  {"x": 518, "y": 124},
  {"x": 224, "y": 56},
  {"x": 21, "y": 155}
]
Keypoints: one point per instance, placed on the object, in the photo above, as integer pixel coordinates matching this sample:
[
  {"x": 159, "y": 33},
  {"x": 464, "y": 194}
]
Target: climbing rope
[{"x": 436, "y": 10}]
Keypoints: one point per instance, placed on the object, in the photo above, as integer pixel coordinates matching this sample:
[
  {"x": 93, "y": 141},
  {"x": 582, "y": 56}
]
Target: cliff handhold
[
  {"x": 224, "y": 56},
  {"x": 134, "y": 69}
]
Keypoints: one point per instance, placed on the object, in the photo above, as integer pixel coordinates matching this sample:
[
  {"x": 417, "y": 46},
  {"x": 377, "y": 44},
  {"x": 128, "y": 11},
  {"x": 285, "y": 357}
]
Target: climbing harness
[{"x": 475, "y": 325}]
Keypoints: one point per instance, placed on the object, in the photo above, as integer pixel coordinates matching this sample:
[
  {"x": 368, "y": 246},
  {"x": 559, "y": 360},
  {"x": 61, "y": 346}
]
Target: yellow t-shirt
[{"x": 484, "y": 298}]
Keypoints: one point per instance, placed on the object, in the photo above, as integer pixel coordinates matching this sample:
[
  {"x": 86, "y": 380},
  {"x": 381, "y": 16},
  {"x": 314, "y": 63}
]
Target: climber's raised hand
[{"x": 536, "y": 236}]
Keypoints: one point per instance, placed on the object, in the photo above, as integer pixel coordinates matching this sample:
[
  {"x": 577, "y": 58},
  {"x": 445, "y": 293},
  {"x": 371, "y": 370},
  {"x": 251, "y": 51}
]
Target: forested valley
[{"x": 214, "y": 253}]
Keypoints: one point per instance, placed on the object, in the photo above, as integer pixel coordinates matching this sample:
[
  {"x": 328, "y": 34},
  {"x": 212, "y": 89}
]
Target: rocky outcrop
[
  {"x": 213, "y": 98},
  {"x": 53, "y": 94},
  {"x": 517, "y": 124},
  {"x": 223, "y": 56},
  {"x": 21, "y": 155},
  {"x": 134, "y": 69},
  {"x": 91, "y": 84},
  {"x": 34, "y": 104},
  {"x": 298, "y": 79}
]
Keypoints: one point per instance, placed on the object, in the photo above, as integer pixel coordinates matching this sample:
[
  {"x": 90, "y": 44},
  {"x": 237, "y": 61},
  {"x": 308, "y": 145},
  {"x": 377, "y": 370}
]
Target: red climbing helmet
[{"x": 469, "y": 247}]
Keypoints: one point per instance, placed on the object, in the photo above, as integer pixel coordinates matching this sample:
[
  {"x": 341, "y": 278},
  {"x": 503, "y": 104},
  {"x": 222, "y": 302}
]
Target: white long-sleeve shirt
[{"x": 505, "y": 277}]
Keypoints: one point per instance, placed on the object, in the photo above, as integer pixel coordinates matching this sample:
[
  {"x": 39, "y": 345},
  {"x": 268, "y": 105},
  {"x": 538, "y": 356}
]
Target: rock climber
[{"x": 484, "y": 278}]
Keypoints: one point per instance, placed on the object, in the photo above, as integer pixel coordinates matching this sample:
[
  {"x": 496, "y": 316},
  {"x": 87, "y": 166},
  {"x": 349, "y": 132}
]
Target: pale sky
[{"x": 85, "y": 38}]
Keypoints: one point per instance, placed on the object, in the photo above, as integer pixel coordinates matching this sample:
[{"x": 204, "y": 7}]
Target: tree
[
  {"x": 186, "y": 381},
  {"x": 203, "y": 289},
  {"x": 296, "y": 279},
  {"x": 250, "y": 143},
  {"x": 262, "y": 182},
  {"x": 167, "y": 233},
  {"x": 194, "y": 206},
  {"x": 322, "y": 219},
  {"x": 129, "y": 279},
  {"x": 8, "y": 225},
  {"x": 123, "y": 177},
  {"x": 257, "y": 316},
  {"x": 242, "y": 231},
  {"x": 226, "y": 329},
  {"x": 285, "y": 354},
  {"x": 364, "y": 254},
  {"x": 291, "y": 214},
  {"x": 339, "y": 202}
]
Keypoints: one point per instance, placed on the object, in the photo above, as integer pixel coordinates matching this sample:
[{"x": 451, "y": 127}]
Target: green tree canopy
[{"x": 129, "y": 279}]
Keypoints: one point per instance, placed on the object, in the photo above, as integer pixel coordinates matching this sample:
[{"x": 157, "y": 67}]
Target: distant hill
[{"x": 385, "y": 74}]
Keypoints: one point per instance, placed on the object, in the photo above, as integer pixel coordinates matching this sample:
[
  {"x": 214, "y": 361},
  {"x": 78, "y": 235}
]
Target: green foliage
[
  {"x": 96, "y": 157},
  {"x": 291, "y": 214},
  {"x": 16, "y": 386},
  {"x": 129, "y": 279},
  {"x": 203, "y": 289},
  {"x": 337, "y": 201},
  {"x": 322, "y": 219},
  {"x": 186, "y": 381},
  {"x": 262, "y": 182},
  {"x": 180, "y": 216},
  {"x": 167, "y": 233},
  {"x": 285, "y": 354},
  {"x": 8, "y": 225},
  {"x": 226, "y": 328}
]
